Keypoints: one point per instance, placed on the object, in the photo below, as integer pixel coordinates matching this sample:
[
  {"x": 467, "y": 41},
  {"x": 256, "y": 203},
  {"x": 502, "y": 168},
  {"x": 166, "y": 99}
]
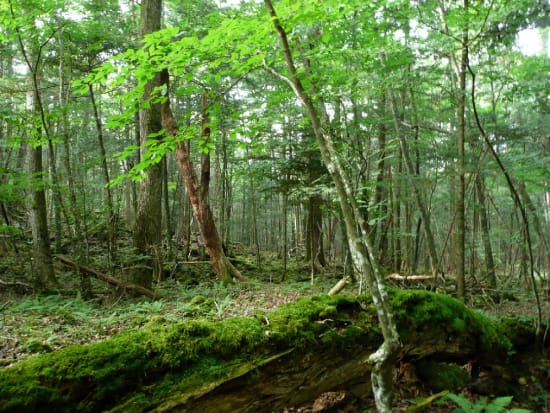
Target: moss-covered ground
[{"x": 204, "y": 331}]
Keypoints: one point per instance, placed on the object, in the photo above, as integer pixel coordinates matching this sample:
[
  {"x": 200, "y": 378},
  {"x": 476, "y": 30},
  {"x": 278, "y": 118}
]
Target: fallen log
[
  {"x": 268, "y": 363},
  {"x": 107, "y": 278},
  {"x": 17, "y": 286}
]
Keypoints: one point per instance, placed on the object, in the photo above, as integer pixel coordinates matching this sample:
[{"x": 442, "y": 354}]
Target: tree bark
[
  {"x": 42, "y": 255},
  {"x": 148, "y": 224},
  {"x": 485, "y": 232},
  {"x": 315, "y": 253},
  {"x": 198, "y": 191}
]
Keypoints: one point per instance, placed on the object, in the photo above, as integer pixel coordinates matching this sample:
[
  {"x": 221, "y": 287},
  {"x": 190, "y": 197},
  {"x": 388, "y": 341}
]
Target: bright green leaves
[{"x": 154, "y": 150}]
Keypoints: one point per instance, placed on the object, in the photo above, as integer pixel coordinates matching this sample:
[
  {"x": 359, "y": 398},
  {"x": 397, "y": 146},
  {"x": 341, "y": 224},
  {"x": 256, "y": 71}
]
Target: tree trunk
[
  {"x": 434, "y": 261},
  {"x": 485, "y": 232},
  {"x": 148, "y": 225},
  {"x": 106, "y": 176},
  {"x": 315, "y": 254},
  {"x": 357, "y": 231},
  {"x": 63, "y": 99},
  {"x": 397, "y": 236},
  {"x": 198, "y": 191},
  {"x": 459, "y": 247},
  {"x": 166, "y": 218},
  {"x": 42, "y": 255}
]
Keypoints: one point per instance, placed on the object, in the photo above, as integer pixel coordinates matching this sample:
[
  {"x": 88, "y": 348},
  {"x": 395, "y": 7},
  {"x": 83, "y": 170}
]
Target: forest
[{"x": 274, "y": 206}]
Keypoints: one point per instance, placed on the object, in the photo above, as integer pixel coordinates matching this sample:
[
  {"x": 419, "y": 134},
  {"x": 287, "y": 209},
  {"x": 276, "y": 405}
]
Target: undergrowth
[
  {"x": 483, "y": 405},
  {"x": 44, "y": 323}
]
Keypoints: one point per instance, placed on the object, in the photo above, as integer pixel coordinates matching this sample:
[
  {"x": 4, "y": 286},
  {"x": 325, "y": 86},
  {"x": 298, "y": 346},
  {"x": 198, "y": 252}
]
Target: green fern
[{"x": 482, "y": 405}]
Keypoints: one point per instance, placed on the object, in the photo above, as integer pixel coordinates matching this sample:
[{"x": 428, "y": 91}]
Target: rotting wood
[{"x": 107, "y": 278}]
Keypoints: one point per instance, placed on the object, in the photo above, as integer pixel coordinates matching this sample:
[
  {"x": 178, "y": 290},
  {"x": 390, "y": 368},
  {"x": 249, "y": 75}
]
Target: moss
[
  {"x": 441, "y": 376},
  {"x": 146, "y": 365},
  {"x": 305, "y": 321},
  {"x": 101, "y": 373},
  {"x": 519, "y": 330},
  {"x": 187, "y": 342},
  {"x": 421, "y": 311}
]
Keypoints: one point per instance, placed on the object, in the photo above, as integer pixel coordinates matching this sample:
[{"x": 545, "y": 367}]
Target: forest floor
[{"x": 33, "y": 324}]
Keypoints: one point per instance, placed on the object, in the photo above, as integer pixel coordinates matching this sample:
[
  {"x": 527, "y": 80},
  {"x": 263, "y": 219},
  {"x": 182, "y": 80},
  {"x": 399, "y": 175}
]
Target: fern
[{"x": 482, "y": 405}]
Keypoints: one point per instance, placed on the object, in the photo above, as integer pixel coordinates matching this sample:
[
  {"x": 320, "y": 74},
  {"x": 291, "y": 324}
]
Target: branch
[
  {"x": 107, "y": 278},
  {"x": 282, "y": 77}
]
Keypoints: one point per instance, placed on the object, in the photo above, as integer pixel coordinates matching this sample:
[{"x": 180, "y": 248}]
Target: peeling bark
[{"x": 198, "y": 190}]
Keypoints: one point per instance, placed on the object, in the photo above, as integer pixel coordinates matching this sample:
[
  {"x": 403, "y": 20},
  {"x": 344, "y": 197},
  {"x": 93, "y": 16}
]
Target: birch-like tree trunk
[{"x": 360, "y": 245}]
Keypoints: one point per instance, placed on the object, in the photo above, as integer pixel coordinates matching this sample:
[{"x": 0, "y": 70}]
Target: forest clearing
[{"x": 274, "y": 206}]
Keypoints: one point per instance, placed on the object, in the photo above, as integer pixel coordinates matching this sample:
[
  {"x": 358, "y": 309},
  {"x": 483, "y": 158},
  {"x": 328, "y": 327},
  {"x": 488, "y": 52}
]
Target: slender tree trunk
[
  {"x": 544, "y": 246},
  {"x": 105, "y": 171},
  {"x": 314, "y": 227},
  {"x": 459, "y": 247},
  {"x": 434, "y": 261},
  {"x": 198, "y": 191},
  {"x": 56, "y": 196},
  {"x": 148, "y": 225},
  {"x": 42, "y": 255},
  {"x": 397, "y": 225},
  {"x": 380, "y": 227},
  {"x": 315, "y": 251},
  {"x": 255, "y": 239},
  {"x": 166, "y": 206},
  {"x": 485, "y": 232},
  {"x": 383, "y": 359},
  {"x": 63, "y": 99},
  {"x": 285, "y": 233}
]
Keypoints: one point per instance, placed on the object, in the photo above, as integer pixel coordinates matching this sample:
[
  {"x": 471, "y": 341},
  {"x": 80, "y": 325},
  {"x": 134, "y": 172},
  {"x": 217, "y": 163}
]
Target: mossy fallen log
[{"x": 283, "y": 358}]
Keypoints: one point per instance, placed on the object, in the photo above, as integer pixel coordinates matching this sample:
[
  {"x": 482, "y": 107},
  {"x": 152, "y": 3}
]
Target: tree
[
  {"x": 33, "y": 58},
  {"x": 148, "y": 225},
  {"x": 198, "y": 189},
  {"x": 357, "y": 232}
]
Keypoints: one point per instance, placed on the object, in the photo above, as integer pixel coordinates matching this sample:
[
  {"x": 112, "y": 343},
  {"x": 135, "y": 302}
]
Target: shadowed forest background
[{"x": 187, "y": 159}]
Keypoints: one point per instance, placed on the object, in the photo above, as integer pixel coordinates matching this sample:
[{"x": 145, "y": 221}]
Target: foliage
[{"x": 498, "y": 405}]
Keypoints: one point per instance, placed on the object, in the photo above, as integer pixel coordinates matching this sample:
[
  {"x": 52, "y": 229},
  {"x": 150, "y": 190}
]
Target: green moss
[
  {"x": 145, "y": 366},
  {"x": 305, "y": 321},
  {"x": 519, "y": 330},
  {"x": 458, "y": 324},
  {"x": 421, "y": 311},
  {"x": 441, "y": 376},
  {"x": 101, "y": 373}
]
